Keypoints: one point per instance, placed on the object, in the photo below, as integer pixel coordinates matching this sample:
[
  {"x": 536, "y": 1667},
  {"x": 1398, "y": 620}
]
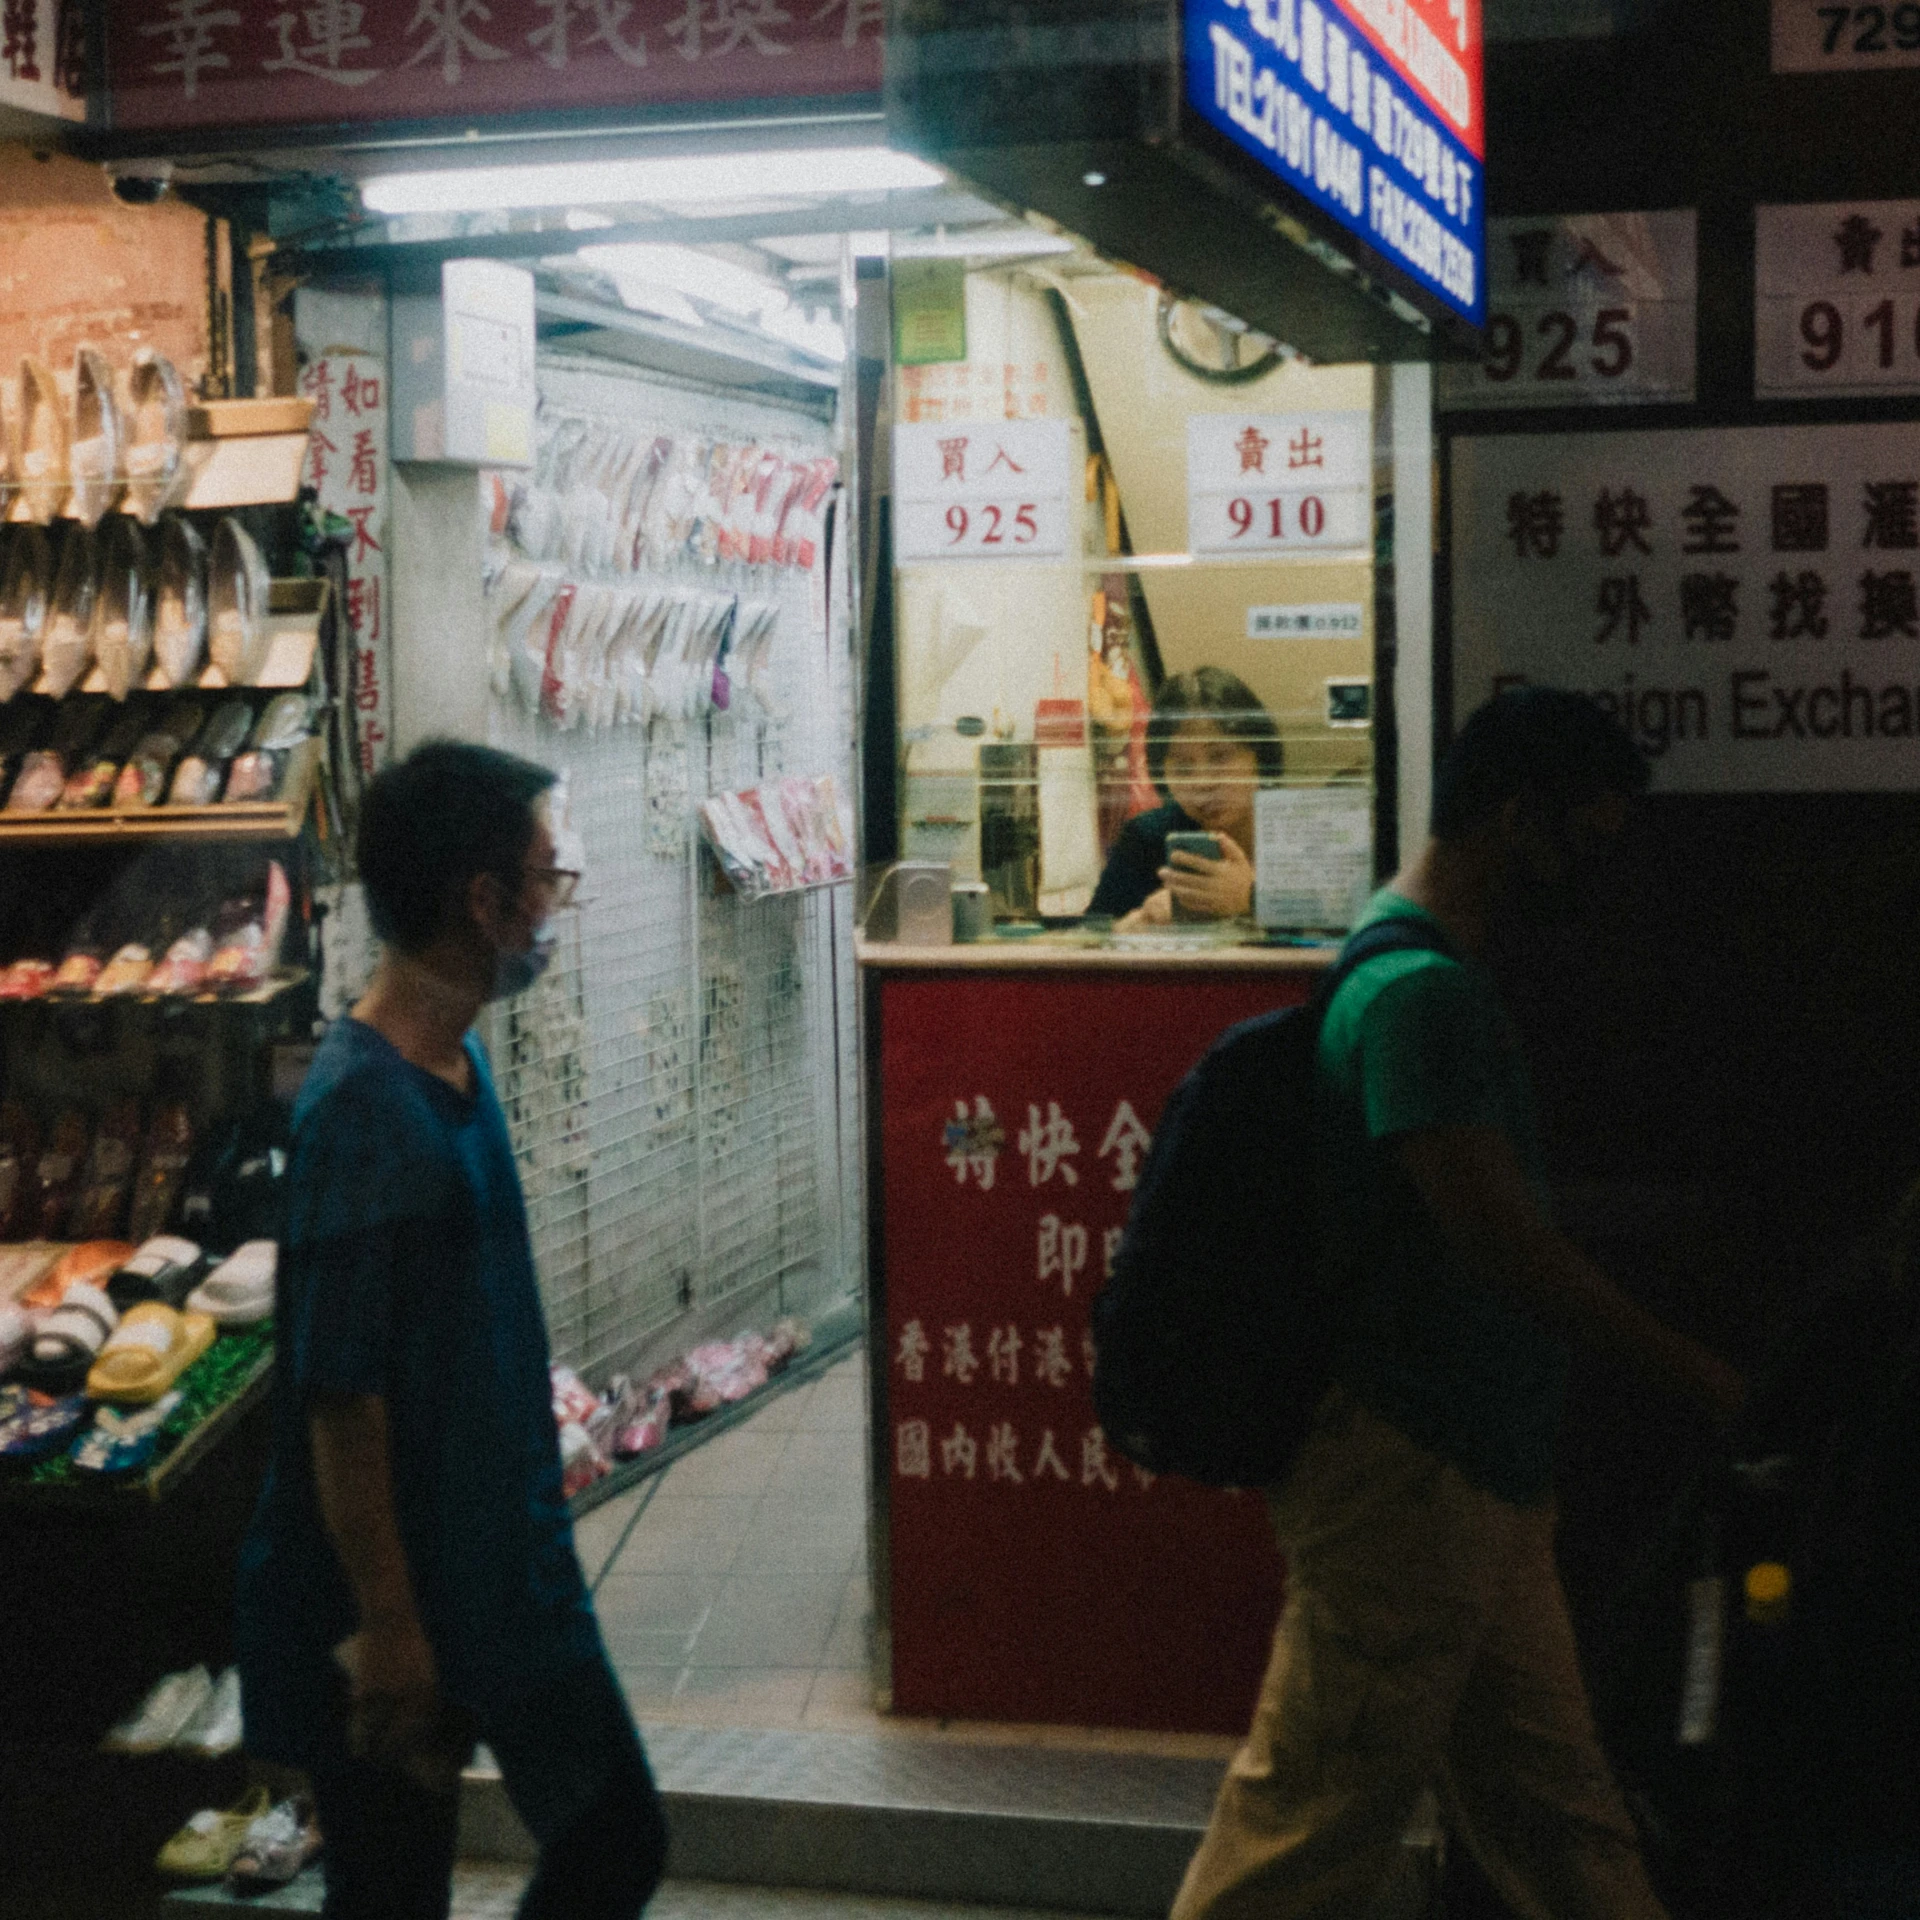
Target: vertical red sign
[{"x": 1036, "y": 1575}]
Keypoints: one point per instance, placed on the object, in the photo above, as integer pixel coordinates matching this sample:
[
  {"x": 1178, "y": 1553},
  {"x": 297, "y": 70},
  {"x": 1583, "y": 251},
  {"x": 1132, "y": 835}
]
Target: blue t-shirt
[
  {"x": 406, "y": 1273},
  {"x": 1412, "y": 1041}
]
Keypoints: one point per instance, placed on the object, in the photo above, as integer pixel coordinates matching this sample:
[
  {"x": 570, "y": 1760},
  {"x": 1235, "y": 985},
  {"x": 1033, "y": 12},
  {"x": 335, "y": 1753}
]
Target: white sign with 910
[
  {"x": 1278, "y": 483},
  {"x": 1837, "y": 298}
]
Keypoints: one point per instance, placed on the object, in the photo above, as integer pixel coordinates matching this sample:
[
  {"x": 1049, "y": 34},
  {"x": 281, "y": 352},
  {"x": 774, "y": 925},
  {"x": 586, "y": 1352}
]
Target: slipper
[
  {"x": 168, "y": 1706},
  {"x": 277, "y": 1847},
  {"x": 205, "y": 1847},
  {"x": 163, "y": 1270},
  {"x": 68, "y": 1339},
  {"x": 123, "y": 1442},
  {"x": 239, "y": 1292},
  {"x": 95, "y": 1264},
  {"x": 215, "y": 1730},
  {"x": 43, "y": 1427},
  {"x": 150, "y": 1349}
]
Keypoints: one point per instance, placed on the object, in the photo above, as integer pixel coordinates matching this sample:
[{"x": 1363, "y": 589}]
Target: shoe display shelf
[{"x": 217, "y": 1391}]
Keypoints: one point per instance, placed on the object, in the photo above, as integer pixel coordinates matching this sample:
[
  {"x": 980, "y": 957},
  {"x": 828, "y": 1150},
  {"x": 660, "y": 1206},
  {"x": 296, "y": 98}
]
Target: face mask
[{"x": 516, "y": 972}]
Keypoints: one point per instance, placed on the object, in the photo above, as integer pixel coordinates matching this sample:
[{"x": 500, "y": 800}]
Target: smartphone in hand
[{"x": 1207, "y": 846}]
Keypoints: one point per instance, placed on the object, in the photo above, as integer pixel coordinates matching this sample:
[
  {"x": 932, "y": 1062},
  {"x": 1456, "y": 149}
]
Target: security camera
[{"x": 142, "y": 189}]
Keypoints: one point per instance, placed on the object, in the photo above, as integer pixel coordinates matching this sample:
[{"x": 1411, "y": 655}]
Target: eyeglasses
[{"x": 563, "y": 883}]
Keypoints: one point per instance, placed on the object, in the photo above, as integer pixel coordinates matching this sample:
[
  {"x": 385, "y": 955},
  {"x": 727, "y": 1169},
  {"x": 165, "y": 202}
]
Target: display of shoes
[
  {"x": 42, "y": 432},
  {"x": 66, "y": 648},
  {"x": 277, "y": 1847},
  {"x": 180, "y": 602},
  {"x": 44, "y": 1425},
  {"x": 25, "y": 589},
  {"x": 152, "y": 1726},
  {"x": 123, "y": 616},
  {"x": 215, "y": 1729},
  {"x": 156, "y": 436},
  {"x": 69, "y": 1338},
  {"x": 238, "y": 585},
  {"x": 120, "y": 1442},
  {"x": 163, "y": 1269},
  {"x": 239, "y": 1291},
  {"x": 95, "y": 463},
  {"x": 207, "y": 1845},
  {"x": 146, "y": 1353}
]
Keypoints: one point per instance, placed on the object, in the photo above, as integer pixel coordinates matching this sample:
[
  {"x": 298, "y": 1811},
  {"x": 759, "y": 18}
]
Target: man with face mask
[
  {"x": 409, "y": 1585},
  {"x": 1425, "y": 1640}
]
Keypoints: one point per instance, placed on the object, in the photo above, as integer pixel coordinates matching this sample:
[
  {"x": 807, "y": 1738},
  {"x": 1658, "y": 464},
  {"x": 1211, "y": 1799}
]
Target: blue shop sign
[{"x": 1370, "y": 110}]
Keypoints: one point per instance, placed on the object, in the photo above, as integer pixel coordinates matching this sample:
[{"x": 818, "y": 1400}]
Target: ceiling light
[{"x": 688, "y": 179}]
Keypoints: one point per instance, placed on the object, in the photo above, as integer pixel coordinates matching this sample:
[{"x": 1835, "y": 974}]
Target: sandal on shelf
[
  {"x": 150, "y": 1349},
  {"x": 277, "y": 1847},
  {"x": 239, "y": 1291},
  {"x": 169, "y": 1704},
  {"x": 205, "y": 1847},
  {"x": 69, "y": 1338},
  {"x": 215, "y": 1730},
  {"x": 123, "y": 1442},
  {"x": 162, "y": 1270},
  {"x": 43, "y": 1427}
]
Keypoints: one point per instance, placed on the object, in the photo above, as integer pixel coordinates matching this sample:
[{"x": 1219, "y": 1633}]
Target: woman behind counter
[{"x": 1211, "y": 746}]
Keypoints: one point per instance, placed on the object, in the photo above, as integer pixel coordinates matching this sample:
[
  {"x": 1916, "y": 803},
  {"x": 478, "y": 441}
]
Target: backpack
[{"x": 1213, "y": 1339}]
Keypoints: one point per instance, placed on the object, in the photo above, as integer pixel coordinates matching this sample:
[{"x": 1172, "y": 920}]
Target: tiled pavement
[{"x": 732, "y": 1589}]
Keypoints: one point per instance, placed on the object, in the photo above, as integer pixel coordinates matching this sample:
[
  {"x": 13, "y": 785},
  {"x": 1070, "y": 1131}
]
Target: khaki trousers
[{"x": 1425, "y": 1642}]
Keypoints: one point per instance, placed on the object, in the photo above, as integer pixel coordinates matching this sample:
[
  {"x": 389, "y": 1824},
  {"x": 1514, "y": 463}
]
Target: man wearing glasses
[{"x": 409, "y": 1585}]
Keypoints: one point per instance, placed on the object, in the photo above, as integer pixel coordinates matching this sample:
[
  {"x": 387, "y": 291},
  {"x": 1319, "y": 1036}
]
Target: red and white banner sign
[
  {"x": 347, "y": 467},
  {"x": 185, "y": 63},
  {"x": 1037, "y": 1575}
]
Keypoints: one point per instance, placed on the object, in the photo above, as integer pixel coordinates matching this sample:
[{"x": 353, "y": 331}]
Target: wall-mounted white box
[{"x": 463, "y": 385}]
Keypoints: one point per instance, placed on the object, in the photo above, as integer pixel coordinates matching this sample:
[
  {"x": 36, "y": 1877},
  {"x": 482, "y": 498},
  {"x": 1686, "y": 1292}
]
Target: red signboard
[
  {"x": 188, "y": 63},
  {"x": 1436, "y": 47},
  {"x": 1036, "y": 1575}
]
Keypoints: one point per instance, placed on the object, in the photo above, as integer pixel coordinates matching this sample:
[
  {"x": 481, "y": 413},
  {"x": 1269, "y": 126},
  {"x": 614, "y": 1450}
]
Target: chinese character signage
[
  {"x": 1036, "y": 1574},
  {"x": 984, "y": 490},
  {"x": 1745, "y": 600},
  {"x": 181, "y": 63},
  {"x": 43, "y": 57},
  {"x": 1370, "y": 109},
  {"x": 347, "y": 467},
  {"x": 1266, "y": 483},
  {"x": 1837, "y": 298},
  {"x": 1592, "y": 309},
  {"x": 1809, "y": 37}
]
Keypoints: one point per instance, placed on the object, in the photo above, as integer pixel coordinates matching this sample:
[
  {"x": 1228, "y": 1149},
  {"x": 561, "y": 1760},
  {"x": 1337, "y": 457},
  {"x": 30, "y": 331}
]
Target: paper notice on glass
[{"x": 1313, "y": 857}]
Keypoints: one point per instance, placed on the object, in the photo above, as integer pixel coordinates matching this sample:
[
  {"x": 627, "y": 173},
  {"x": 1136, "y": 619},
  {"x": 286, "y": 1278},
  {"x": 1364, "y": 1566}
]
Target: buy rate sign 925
[
  {"x": 982, "y": 490},
  {"x": 1372, "y": 110}
]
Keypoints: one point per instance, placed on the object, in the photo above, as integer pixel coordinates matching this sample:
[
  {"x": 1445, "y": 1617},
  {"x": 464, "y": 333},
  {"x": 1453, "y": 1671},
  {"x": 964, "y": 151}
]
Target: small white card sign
[
  {"x": 1588, "y": 309},
  {"x": 1810, "y": 37},
  {"x": 983, "y": 490},
  {"x": 1837, "y": 298},
  {"x": 1313, "y": 856},
  {"x": 1272, "y": 483},
  {"x": 1327, "y": 620}
]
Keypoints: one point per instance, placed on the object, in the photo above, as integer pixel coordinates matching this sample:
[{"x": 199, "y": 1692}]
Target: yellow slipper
[
  {"x": 207, "y": 1845},
  {"x": 149, "y": 1350}
]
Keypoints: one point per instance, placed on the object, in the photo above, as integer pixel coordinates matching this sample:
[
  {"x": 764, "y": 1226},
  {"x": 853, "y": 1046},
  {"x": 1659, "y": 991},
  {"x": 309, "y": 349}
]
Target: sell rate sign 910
[
  {"x": 983, "y": 490},
  {"x": 1278, "y": 483}
]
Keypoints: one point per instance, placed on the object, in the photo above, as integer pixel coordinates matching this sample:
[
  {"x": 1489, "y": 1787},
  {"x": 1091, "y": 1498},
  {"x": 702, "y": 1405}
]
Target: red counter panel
[{"x": 1036, "y": 1576}]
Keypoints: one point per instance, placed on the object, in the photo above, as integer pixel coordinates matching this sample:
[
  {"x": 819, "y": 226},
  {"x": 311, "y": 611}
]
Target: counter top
[{"x": 1065, "y": 954}]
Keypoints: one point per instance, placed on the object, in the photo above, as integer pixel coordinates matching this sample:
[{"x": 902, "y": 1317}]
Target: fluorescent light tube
[{"x": 686, "y": 179}]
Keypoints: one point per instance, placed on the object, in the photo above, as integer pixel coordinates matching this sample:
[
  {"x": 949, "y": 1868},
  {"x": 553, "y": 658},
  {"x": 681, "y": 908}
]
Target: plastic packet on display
[
  {"x": 643, "y": 1427},
  {"x": 799, "y": 807},
  {"x": 247, "y": 934},
  {"x": 581, "y": 1462},
  {"x": 127, "y": 972},
  {"x": 771, "y": 802},
  {"x": 573, "y": 1400},
  {"x": 78, "y": 972},
  {"x": 26, "y": 979},
  {"x": 184, "y": 967},
  {"x": 256, "y": 777}
]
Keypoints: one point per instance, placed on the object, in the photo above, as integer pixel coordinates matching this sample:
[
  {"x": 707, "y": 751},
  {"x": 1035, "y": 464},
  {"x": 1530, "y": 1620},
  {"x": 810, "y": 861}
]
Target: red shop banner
[
  {"x": 1036, "y": 1574},
  {"x": 239, "y": 63}
]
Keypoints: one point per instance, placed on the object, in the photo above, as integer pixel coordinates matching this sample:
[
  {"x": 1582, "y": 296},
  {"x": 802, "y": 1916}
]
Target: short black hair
[
  {"x": 1212, "y": 693},
  {"x": 428, "y": 825},
  {"x": 1541, "y": 740}
]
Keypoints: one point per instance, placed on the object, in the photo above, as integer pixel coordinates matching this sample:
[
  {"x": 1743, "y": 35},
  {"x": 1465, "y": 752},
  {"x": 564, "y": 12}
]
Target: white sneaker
[
  {"x": 215, "y": 1728},
  {"x": 153, "y": 1725}
]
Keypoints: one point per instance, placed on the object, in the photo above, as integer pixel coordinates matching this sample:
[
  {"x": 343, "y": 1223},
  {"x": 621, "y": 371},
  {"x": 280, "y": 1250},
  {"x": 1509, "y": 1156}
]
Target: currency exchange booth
[{"x": 1176, "y": 446}]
